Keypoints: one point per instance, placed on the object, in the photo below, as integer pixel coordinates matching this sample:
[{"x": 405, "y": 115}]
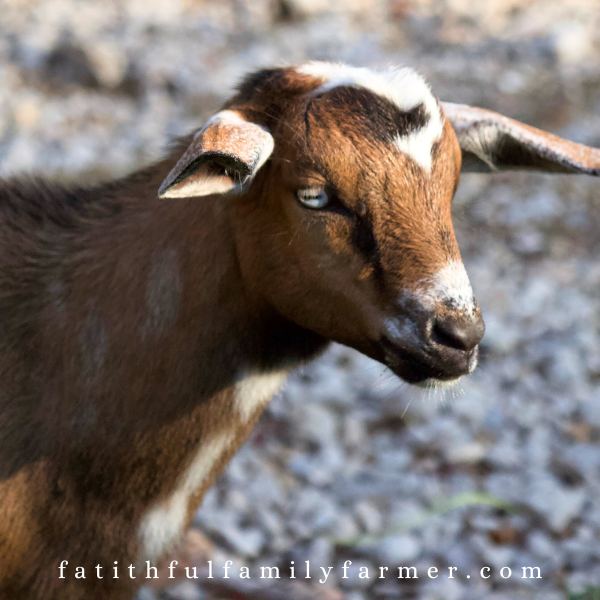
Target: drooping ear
[
  {"x": 223, "y": 157},
  {"x": 492, "y": 142}
]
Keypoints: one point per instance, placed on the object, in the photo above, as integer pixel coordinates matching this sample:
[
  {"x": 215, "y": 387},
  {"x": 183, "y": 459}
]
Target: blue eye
[{"x": 313, "y": 197}]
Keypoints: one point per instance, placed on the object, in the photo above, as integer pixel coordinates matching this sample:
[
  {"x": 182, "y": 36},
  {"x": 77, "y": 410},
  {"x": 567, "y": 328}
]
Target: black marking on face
[
  {"x": 307, "y": 120},
  {"x": 365, "y": 110},
  {"x": 364, "y": 239}
]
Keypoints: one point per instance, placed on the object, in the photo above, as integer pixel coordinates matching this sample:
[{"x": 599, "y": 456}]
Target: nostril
[{"x": 457, "y": 334}]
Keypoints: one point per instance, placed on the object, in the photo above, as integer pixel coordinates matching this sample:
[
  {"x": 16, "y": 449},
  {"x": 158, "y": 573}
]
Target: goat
[{"x": 142, "y": 334}]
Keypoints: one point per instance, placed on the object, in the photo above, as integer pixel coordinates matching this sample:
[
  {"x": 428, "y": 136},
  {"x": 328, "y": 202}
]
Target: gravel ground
[{"x": 348, "y": 463}]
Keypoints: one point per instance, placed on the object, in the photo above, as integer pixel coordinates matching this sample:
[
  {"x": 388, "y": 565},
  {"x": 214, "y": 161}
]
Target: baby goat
[{"x": 141, "y": 334}]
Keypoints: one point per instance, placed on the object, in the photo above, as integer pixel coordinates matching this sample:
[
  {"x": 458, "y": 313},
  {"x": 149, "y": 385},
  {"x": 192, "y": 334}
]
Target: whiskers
[
  {"x": 430, "y": 395},
  {"x": 437, "y": 395},
  {"x": 405, "y": 408},
  {"x": 445, "y": 393}
]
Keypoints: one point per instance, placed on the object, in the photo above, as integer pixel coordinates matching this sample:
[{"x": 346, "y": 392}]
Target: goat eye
[{"x": 313, "y": 197}]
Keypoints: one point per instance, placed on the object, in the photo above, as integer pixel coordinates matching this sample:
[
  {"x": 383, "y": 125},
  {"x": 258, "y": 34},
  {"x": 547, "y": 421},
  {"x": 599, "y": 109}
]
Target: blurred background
[{"x": 349, "y": 463}]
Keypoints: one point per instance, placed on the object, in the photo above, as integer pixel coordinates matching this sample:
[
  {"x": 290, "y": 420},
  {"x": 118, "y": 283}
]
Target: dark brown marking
[{"x": 370, "y": 113}]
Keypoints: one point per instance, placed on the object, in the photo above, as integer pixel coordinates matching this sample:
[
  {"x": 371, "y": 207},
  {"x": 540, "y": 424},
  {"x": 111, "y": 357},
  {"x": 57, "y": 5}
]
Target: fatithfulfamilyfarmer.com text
[{"x": 303, "y": 571}]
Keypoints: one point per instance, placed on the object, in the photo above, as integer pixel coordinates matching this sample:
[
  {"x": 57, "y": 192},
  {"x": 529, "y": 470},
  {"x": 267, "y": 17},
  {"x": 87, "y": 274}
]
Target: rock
[
  {"x": 347, "y": 529},
  {"x": 558, "y": 504},
  {"x": 578, "y": 582},
  {"x": 461, "y": 556},
  {"x": 541, "y": 545},
  {"x": 237, "y": 500},
  {"x": 583, "y": 549},
  {"x": 505, "y": 453},
  {"x": 466, "y": 453},
  {"x": 399, "y": 550},
  {"x": 528, "y": 242},
  {"x": 503, "y": 337},
  {"x": 583, "y": 458},
  {"x": 246, "y": 542},
  {"x": 108, "y": 61},
  {"x": 548, "y": 595},
  {"x": 69, "y": 64},
  {"x": 17, "y": 156},
  {"x": 536, "y": 293},
  {"x": 574, "y": 41},
  {"x": 491, "y": 554},
  {"x": 368, "y": 516},
  {"x": 312, "y": 512},
  {"x": 316, "y": 424},
  {"x": 354, "y": 432},
  {"x": 306, "y": 8},
  {"x": 145, "y": 593},
  {"x": 271, "y": 522},
  {"x": 360, "y": 574},
  {"x": 442, "y": 587},
  {"x": 406, "y": 514},
  {"x": 440, "y": 531},
  {"x": 27, "y": 114},
  {"x": 320, "y": 468},
  {"x": 511, "y": 81},
  {"x": 320, "y": 552},
  {"x": 538, "y": 448},
  {"x": 484, "y": 522},
  {"x": 186, "y": 590},
  {"x": 391, "y": 458}
]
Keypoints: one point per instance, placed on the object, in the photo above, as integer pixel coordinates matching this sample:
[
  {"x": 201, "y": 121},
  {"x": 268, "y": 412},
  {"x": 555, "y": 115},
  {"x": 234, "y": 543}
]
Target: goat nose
[{"x": 459, "y": 334}]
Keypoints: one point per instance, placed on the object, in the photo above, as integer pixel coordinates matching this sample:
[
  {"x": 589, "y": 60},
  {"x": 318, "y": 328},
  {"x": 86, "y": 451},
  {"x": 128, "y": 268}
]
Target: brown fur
[{"x": 125, "y": 320}]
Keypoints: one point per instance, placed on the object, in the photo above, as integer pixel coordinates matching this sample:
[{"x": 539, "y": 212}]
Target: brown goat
[{"x": 141, "y": 336}]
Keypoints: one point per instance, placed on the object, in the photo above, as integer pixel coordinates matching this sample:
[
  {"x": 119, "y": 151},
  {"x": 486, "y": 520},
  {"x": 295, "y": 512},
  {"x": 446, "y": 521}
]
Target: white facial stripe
[
  {"x": 418, "y": 144},
  {"x": 401, "y": 86},
  {"x": 449, "y": 284}
]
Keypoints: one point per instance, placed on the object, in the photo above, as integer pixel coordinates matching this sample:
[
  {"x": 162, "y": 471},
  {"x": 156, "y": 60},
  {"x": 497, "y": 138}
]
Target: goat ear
[
  {"x": 492, "y": 142},
  {"x": 223, "y": 157}
]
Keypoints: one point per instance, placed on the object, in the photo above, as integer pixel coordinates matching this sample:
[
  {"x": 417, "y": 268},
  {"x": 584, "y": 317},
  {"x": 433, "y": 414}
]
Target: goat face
[
  {"x": 346, "y": 230},
  {"x": 364, "y": 251},
  {"x": 343, "y": 224}
]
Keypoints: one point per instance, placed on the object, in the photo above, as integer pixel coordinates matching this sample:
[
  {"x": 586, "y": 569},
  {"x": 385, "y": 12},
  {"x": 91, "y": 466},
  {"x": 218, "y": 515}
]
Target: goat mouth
[{"x": 421, "y": 368}]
